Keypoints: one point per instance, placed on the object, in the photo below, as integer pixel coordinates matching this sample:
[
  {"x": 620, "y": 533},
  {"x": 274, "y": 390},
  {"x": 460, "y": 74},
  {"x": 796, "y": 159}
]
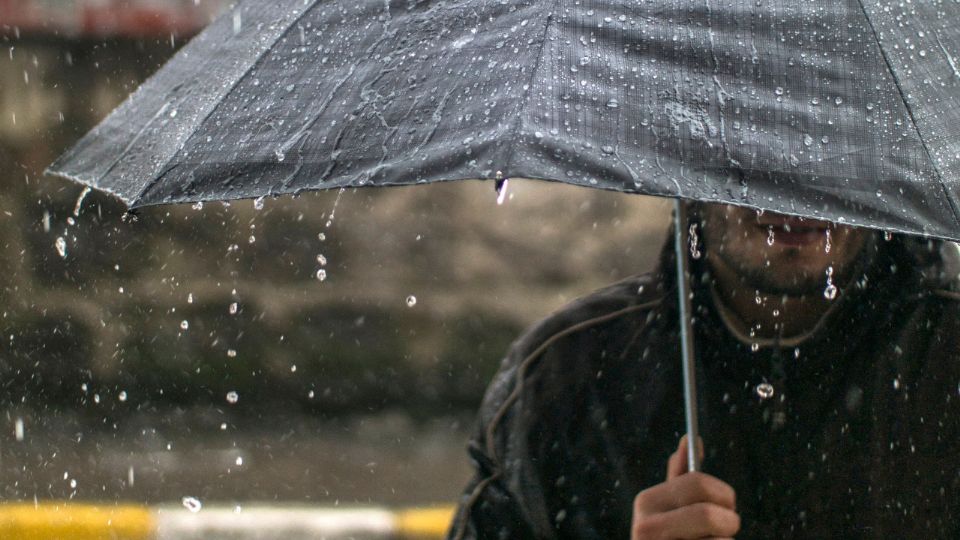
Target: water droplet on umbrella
[
  {"x": 807, "y": 140},
  {"x": 61, "y": 246},
  {"x": 232, "y": 397},
  {"x": 764, "y": 390},
  {"x": 18, "y": 431},
  {"x": 184, "y": 324},
  {"x": 778, "y": 91},
  {"x": 411, "y": 301},
  {"x": 613, "y": 104},
  {"x": 825, "y": 139},
  {"x": 585, "y": 60},
  {"x": 838, "y": 100},
  {"x": 192, "y": 504},
  {"x": 607, "y": 149}
]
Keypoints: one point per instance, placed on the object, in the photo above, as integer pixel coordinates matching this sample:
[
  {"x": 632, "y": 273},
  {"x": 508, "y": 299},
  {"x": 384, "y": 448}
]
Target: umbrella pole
[{"x": 680, "y": 244}]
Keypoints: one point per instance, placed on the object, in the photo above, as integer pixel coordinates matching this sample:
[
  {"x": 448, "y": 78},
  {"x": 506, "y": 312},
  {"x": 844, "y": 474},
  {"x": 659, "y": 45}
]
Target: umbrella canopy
[{"x": 847, "y": 111}]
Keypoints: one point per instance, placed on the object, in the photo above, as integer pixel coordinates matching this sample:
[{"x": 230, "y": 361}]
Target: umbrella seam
[
  {"x": 518, "y": 119},
  {"x": 913, "y": 120},
  {"x": 166, "y": 168}
]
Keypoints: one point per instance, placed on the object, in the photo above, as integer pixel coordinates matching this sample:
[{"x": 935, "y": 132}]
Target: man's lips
[{"x": 795, "y": 232}]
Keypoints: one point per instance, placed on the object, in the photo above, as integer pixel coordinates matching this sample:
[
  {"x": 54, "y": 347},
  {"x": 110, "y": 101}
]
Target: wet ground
[{"x": 162, "y": 457}]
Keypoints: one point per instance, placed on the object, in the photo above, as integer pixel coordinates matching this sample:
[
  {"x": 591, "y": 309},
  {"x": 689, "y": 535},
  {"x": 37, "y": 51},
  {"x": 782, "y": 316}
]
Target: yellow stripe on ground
[
  {"x": 424, "y": 523},
  {"x": 62, "y": 521}
]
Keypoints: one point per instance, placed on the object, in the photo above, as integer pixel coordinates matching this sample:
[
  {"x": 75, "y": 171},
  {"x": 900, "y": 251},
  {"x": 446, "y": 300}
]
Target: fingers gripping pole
[{"x": 686, "y": 333}]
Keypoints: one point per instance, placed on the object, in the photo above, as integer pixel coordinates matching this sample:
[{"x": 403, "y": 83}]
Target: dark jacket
[{"x": 861, "y": 438}]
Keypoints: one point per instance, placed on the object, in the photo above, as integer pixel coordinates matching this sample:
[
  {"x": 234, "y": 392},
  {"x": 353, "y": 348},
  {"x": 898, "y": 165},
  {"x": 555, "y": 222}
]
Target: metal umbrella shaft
[{"x": 681, "y": 243}]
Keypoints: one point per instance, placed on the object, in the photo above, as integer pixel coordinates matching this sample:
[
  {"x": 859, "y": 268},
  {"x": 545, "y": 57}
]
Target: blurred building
[{"x": 108, "y": 18}]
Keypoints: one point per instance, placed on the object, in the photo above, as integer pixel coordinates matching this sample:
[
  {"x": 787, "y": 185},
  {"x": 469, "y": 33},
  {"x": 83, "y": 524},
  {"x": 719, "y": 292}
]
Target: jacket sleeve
[{"x": 489, "y": 507}]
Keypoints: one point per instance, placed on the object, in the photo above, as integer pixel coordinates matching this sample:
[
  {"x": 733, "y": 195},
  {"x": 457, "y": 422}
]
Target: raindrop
[
  {"x": 830, "y": 292},
  {"x": 502, "y": 190},
  {"x": 197, "y": 205},
  {"x": 585, "y": 60},
  {"x": 233, "y": 308},
  {"x": 770, "y": 238},
  {"x": 922, "y": 52},
  {"x": 694, "y": 242},
  {"x": 122, "y": 396},
  {"x": 613, "y": 104},
  {"x": 607, "y": 149},
  {"x": 73, "y": 483},
  {"x": 258, "y": 203},
  {"x": 807, "y": 140},
  {"x": 184, "y": 324},
  {"x": 321, "y": 260},
  {"x": 411, "y": 301},
  {"x": 778, "y": 91},
  {"x": 896, "y": 383},
  {"x": 764, "y": 390},
  {"x": 321, "y": 237},
  {"x": 83, "y": 195},
  {"x": 192, "y": 504},
  {"x": 825, "y": 139},
  {"x": 827, "y": 245},
  {"x": 887, "y": 235},
  {"x": 18, "y": 431},
  {"x": 231, "y": 353},
  {"x": 233, "y": 397},
  {"x": 239, "y": 461},
  {"x": 189, "y": 298},
  {"x": 838, "y": 100},
  {"x": 61, "y": 246},
  {"x": 754, "y": 347},
  {"x": 322, "y": 274}
]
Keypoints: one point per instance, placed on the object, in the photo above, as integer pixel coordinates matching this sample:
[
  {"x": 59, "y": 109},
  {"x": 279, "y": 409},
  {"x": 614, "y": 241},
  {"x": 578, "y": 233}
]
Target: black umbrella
[{"x": 845, "y": 111}]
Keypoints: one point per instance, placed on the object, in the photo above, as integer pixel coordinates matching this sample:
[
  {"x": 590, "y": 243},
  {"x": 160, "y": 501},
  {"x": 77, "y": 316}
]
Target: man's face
[{"x": 776, "y": 254}]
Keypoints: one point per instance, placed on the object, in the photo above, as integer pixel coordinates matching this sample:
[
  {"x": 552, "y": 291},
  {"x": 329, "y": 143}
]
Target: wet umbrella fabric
[{"x": 847, "y": 111}]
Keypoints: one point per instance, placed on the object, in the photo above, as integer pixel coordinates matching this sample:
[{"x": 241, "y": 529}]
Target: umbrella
[{"x": 845, "y": 111}]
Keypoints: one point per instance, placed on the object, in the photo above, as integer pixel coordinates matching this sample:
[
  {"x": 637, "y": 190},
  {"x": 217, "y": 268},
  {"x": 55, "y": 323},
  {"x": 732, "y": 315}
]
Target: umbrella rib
[
  {"x": 255, "y": 63},
  {"x": 913, "y": 120},
  {"x": 518, "y": 118}
]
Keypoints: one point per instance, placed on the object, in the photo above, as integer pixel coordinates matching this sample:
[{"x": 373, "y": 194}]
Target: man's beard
[{"x": 769, "y": 282}]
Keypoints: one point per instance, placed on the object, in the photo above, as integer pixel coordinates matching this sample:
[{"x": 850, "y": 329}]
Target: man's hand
[{"x": 687, "y": 505}]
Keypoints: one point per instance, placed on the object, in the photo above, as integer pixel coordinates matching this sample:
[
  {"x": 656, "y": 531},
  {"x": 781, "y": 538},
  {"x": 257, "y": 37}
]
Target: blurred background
[{"x": 328, "y": 349}]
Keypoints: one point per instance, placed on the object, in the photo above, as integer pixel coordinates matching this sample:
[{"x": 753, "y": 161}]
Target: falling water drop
[
  {"x": 192, "y": 504},
  {"x": 258, "y": 203},
  {"x": 184, "y": 324},
  {"x": 122, "y": 396},
  {"x": 830, "y": 292},
  {"x": 322, "y": 274},
  {"x": 61, "y": 246},
  {"x": 197, "y": 205},
  {"x": 827, "y": 245},
  {"x": 233, "y": 397},
  {"x": 887, "y": 235},
  {"x": 502, "y": 190},
  {"x": 770, "y": 238},
  {"x": 694, "y": 242},
  {"x": 233, "y": 308},
  {"x": 764, "y": 390},
  {"x": 411, "y": 301}
]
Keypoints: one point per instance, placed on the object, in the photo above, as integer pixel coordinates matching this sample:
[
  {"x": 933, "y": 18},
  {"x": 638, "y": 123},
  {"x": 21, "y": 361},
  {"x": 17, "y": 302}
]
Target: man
[{"x": 828, "y": 376}]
